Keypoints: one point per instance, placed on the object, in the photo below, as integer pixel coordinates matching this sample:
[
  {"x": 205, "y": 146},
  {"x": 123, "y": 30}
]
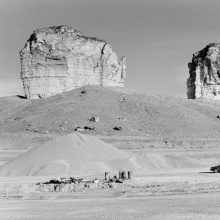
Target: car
[{"x": 216, "y": 169}]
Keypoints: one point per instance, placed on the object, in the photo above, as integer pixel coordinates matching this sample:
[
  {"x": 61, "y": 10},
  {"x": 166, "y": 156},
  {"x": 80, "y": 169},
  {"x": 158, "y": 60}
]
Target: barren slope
[{"x": 145, "y": 119}]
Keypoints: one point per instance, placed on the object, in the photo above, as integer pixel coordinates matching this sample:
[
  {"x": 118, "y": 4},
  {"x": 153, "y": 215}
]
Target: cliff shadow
[{"x": 21, "y": 97}]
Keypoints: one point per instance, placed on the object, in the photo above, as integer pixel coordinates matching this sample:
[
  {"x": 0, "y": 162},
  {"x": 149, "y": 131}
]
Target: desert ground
[
  {"x": 172, "y": 193},
  {"x": 165, "y": 194},
  {"x": 177, "y": 137},
  {"x": 170, "y": 207}
]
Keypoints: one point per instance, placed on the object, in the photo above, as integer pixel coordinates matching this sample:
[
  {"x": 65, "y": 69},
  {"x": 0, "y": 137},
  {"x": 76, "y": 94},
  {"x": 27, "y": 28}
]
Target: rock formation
[
  {"x": 59, "y": 59},
  {"x": 204, "y": 70}
]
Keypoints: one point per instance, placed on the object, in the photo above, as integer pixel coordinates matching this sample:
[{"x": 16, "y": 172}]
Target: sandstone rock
[
  {"x": 204, "y": 70},
  {"x": 59, "y": 59},
  {"x": 79, "y": 129},
  {"x": 117, "y": 128},
  {"x": 95, "y": 119}
]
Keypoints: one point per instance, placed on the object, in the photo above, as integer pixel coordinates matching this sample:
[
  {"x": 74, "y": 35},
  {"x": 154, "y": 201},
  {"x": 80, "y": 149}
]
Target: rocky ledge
[
  {"x": 204, "y": 70},
  {"x": 60, "y": 59}
]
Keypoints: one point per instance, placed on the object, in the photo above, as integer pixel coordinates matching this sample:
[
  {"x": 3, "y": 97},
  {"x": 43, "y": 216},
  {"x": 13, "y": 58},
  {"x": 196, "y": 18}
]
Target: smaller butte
[
  {"x": 204, "y": 70},
  {"x": 59, "y": 59}
]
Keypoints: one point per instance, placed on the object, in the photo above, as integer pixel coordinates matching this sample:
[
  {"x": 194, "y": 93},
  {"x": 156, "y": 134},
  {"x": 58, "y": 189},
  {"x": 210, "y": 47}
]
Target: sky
[{"x": 158, "y": 37}]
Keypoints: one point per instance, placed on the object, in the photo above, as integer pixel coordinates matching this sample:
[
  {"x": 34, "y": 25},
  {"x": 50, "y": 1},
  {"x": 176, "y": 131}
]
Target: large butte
[{"x": 59, "y": 59}]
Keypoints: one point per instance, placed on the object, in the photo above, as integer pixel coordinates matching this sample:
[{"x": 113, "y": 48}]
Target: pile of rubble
[
  {"x": 61, "y": 185},
  {"x": 72, "y": 184},
  {"x": 63, "y": 180}
]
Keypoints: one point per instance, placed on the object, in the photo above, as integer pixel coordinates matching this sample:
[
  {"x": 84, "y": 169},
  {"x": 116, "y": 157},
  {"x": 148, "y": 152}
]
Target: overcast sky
[{"x": 158, "y": 37}]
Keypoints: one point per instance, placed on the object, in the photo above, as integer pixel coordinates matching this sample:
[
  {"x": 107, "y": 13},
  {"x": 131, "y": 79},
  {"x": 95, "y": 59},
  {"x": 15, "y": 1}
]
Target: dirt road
[{"x": 194, "y": 206}]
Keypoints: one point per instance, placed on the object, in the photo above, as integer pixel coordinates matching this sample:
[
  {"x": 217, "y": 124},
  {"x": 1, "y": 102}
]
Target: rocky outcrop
[
  {"x": 204, "y": 70},
  {"x": 59, "y": 59}
]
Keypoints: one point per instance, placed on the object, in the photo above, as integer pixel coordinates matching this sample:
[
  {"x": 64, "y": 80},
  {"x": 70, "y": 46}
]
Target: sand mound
[
  {"x": 79, "y": 154},
  {"x": 70, "y": 154},
  {"x": 156, "y": 161}
]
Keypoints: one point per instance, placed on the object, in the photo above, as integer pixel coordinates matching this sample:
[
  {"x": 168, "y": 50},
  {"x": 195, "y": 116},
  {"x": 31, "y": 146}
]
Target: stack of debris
[
  {"x": 63, "y": 180},
  {"x": 62, "y": 184},
  {"x": 116, "y": 180},
  {"x": 72, "y": 184}
]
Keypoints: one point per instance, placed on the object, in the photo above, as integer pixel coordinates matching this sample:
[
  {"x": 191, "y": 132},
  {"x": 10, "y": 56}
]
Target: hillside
[{"x": 146, "y": 120}]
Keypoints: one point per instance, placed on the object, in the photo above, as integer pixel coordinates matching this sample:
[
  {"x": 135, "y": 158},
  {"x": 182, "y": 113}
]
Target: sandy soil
[
  {"x": 168, "y": 194},
  {"x": 173, "y": 193},
  {"x": 193, "y": 207}
]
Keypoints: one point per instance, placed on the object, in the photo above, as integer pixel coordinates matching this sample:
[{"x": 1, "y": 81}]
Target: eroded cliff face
[
  {"x": 204, "y": 70},
  {"x": 59, "y": 59}
]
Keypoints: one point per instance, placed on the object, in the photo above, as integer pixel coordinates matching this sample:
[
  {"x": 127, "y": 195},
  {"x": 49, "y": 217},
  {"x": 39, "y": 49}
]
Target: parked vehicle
[{"x": 216, "y": 169}]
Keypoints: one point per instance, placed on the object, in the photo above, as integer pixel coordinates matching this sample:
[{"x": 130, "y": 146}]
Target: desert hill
[{"x": 146, "y": 120}]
